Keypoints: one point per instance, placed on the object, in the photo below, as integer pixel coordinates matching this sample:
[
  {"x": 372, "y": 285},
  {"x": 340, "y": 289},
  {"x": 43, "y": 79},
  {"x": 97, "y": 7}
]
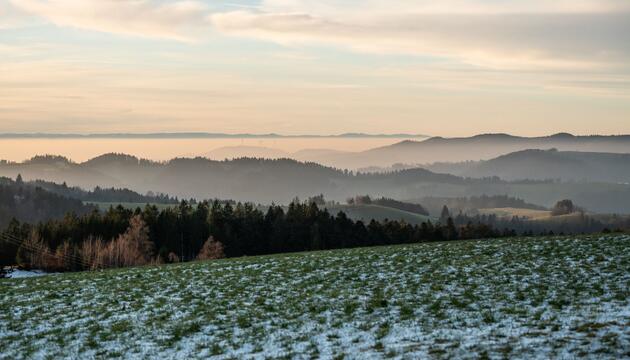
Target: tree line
[{"x": 124, "y": 237}]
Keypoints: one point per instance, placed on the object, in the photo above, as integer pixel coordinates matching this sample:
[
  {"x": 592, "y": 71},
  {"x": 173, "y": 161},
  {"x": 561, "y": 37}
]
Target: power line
[
  {"x": 47, "y": 252},
  {"x": 42, "y": 250}
]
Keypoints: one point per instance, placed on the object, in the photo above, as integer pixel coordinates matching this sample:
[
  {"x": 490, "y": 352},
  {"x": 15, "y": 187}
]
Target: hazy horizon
[
  {"x": 165, "y": 149},
  {"x": 326, "y": 150}
]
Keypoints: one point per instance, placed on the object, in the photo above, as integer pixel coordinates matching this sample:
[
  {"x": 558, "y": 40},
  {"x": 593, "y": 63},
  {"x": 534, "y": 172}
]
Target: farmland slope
[{"x": 557, "y": 297}]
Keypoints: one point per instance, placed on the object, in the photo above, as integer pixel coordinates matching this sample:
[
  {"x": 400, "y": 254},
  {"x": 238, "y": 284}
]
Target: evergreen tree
[
  {"x": 445, "y": 215},
  {"x": 450, "y": 231}
]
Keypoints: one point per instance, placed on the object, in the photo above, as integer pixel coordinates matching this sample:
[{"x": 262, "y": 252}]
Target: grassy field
[
  {"x": 559, "y": 297},
  {"x": 366, "y": 213},
  {"x": 522, "y": 213}
]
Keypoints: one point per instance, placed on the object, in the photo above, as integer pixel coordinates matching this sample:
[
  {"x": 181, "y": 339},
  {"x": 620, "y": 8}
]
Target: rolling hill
[
  {"x": 30, "y": 203},
  {"x": 266, "y": 181},
  {"x": 529, "y": 214},
  {"x": 475, "y": 148},
  {"x": 366, "y": 213},
  {"x": 547, "y": 164}
]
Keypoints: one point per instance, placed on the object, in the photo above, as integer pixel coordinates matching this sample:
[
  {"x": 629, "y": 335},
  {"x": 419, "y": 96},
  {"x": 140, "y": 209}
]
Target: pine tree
[
  {"x": 450, "y": 230},
  {"x": 446, "y": 214}
]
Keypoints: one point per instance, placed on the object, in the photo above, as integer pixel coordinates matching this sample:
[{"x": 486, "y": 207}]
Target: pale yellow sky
[{"x": 453, "y": 68}]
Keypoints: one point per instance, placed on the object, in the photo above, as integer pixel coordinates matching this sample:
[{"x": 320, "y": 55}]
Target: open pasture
[{"x": 555, "y": 297}]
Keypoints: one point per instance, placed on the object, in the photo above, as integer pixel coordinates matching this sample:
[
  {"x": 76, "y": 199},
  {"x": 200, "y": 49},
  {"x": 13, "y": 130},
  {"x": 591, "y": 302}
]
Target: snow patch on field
[
  {"x": 18, "y": 274},
  {"x": 557, "y": 297}
]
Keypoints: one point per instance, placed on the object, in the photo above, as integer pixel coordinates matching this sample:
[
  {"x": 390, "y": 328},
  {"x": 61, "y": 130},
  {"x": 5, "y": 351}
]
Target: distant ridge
[
  {"x": 537, "y": 164},
  {"x": 279, "y": 181},
  {"x": 197, "y": 135},
  {"x": 509, "y": 138},
  {"x": 474, "y": 148}
]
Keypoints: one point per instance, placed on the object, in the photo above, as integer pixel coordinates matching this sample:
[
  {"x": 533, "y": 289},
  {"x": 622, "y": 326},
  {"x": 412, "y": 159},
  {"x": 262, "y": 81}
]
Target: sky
[{"x": 448, "y": 67}]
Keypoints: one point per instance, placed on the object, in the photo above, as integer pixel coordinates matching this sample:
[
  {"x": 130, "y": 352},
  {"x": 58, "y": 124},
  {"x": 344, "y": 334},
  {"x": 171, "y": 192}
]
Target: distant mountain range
[
  {"x": 200, "y": 135},
  {"x": 266, "y": 181},
  {"x": 547, "y": 164},
  {"x": 480, "y": 147},
  {"x": 414, "y": 153}
]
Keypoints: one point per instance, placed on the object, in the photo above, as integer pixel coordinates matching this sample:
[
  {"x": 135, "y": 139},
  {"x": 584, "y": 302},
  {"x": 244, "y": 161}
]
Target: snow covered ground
[
  {"x": 16, "y": 274},
  {"x": 559, "y": 297}
]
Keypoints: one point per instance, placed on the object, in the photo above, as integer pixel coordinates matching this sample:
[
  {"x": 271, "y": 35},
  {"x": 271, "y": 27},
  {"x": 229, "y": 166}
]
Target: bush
[
  {"x": 564, "y": 207},
  {"x": 211, "y": 250},
  {"x": 172, "y": 258}
]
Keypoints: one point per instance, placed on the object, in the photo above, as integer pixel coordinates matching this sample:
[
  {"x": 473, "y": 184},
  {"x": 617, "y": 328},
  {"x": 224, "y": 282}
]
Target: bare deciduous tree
[
  {"x": 211, "y": 250},
  {"x": 133, "y": 248},
  {"x": 33, "y": 253},
  {"x": 92, "y": 252}
]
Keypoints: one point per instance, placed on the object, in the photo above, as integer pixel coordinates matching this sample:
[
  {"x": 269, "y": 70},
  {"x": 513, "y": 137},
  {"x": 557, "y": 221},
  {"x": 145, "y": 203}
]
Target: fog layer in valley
[{"x": 593, "y": 180}]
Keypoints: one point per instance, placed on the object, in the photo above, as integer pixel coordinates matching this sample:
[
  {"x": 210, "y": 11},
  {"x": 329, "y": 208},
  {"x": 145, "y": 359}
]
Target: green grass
[{"x": 525, "y": 297}]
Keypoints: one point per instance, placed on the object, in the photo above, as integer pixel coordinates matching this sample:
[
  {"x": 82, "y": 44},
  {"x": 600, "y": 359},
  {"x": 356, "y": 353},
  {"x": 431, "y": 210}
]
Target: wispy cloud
[
  {"x": 146, "y": 18},
  {"x": 345, "y": 8},
  {"x": 537, "y": 39},
  {"x": 513, "y": 34},
  {"x": 498, "y": 63}
]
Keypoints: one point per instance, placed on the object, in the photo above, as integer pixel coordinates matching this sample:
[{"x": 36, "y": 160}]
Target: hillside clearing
[
  {"x": 366, "y": 213},
  {"x": 522, "y": 298},
  {"x": 522, "y": 213}
]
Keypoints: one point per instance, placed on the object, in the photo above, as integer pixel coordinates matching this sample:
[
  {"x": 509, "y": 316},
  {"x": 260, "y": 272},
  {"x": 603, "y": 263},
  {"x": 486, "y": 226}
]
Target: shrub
[
  {"x": 564, "y": 207},
  {"x": 211, "y": 250},
  {"x": 172, "y": 258}
]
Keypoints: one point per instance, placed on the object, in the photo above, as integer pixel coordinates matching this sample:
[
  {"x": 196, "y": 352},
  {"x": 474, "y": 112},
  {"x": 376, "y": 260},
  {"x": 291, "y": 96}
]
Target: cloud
[
  {"x": 387, "y": 7},
  {"x": 129, "y": 17},
  {"x": 512, "y": 35}
]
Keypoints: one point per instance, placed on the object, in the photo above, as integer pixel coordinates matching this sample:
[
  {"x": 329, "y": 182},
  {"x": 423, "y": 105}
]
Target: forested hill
[
  {"x": 244, "y": 179},
  {"x": 30, "y": 203},
  {"x": 98, "y": 194},
  {"x": 474, "y": 148},
  {"x": 280, "y": 181},
  {"x": 547, "y": 164}
]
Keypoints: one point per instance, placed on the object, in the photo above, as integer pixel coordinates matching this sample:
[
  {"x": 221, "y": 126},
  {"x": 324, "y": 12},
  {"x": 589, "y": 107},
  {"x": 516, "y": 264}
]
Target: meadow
[
  {"x": 552, "y": 297},
  {"x": 508, "y": 213},
  {"x": 366, "y": 213}
]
